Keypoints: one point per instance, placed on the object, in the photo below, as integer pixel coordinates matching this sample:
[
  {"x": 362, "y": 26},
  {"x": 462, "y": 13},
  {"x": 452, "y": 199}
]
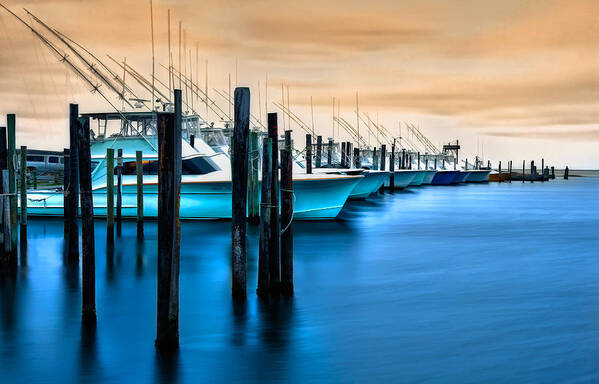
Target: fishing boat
[
  {"x": 460, "y": 177},
  {"x": 444, "y": 177},
  {"x": 478, "y": 175},
  {"x": 418, "y": 178},
  {"x": 429, "y": 174},
  {"x": 205, "y": 184}
]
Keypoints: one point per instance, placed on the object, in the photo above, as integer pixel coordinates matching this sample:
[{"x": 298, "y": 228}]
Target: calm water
[{"x": 469, "y": 284}]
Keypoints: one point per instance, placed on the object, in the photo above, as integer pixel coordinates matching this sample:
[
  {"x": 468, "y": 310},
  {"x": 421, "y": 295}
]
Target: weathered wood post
[
  {"x": 308, "y": 153},
  {"x": 119, "y": 191},
  {"x": 426, "y": 164},
  {"x": 532, "y": 171},
  {"x": 12, "y": 184},
  {"x": 410, "y": 162},
  {"x": 419, "y": 161},
  {"x": 552, "y": 172},
  {"x": 499, "y": 170},
  {"x": 375, "y": 159},
  {"x": 566, "y": 173},
  {"x": 23, "y": 174},
  {"x": 383, "y": 157},
  {"x": 110, "y": 195},
  {"x": 88, "y": 272},
  {"x": 192, "y": 140},
  {"x": 72, "y": 190},
  {"x": 342, "y": 154},
  {"x": 34, "y": 177},
  {"x": 7, "y": 258},
  {"x": 318, "y": 161},
  {"x": 140, "y": 193},
  {"x": 253, "y": 196},
  {"x": 330, "y": 153},
  {"x": 239, "y": 191},
  {"x": 510, "y": 170},
  {"x": 357, "y": 161},
  {"x": 287, "y": 217},
  {"x": 265, "y": 219},
  {"x": 274, "y": 253},
  {"x": 348, "y": 152},
  {"x": 402, "y": 165},
  {"x": 66, "y": 200},
  {"x": 392, "y": 167},
  {"x": 169, "y": 226},
  {"x": 543, "y": 169},
  {"x": 523, "y": 170}
]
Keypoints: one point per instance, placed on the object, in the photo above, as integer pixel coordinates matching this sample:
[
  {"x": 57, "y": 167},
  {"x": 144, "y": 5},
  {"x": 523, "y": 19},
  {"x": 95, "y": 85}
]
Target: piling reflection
[
  {"x": 167, "y": 366},
  {"x": 276, "y": 321},
  {"x": 139, "y": 257},
  {"x": 110, "y": 260},
  {"x": 88, "y": 359},
  {"x": 8, "y": 298},
  {"x": 238, "y": 336}
]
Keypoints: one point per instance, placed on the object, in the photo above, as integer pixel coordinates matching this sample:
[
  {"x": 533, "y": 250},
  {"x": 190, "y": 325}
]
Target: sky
[{"x": 511, "y": 80}]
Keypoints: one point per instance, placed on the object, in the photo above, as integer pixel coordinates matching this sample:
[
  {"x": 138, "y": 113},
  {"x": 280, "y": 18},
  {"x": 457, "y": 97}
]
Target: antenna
[
  {"x": 283, "y": 102},
  {"x": 333, "y": 136},
  {"x": 229, "y": 96},
  {"x": 153, "y": 60},
  {"x": 312, "y": 111},
  {"x": 259, "y": 104},
  {"x": 179, "y": 55},
  {"x": 358, "y": 118},
  {"x": 124, "y": 73},
  {"x": 206, "y": 88},
  {"x": 170, "y": 57},
  {"x": 266, "y": 97}
]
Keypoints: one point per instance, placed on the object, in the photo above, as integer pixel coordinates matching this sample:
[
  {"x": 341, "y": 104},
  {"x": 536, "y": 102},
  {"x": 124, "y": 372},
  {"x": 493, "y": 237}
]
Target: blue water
[{"x": 469, "y": 284}]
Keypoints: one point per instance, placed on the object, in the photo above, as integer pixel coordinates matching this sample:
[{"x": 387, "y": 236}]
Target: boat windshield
[{"x": 197, "y": 165}]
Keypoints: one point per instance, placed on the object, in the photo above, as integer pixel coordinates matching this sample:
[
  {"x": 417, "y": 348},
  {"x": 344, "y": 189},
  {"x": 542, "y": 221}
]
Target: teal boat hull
[{"x": 371, "y": 183}]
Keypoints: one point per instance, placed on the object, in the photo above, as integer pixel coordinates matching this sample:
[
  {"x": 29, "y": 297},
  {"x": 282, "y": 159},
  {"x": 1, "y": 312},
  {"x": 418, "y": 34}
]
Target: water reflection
[
  {"x": 276, "y": 321},
  {"x": 167, "y": 366},
  {"x": 8, "y": 298},
  {"x": 88, "y": 353}
]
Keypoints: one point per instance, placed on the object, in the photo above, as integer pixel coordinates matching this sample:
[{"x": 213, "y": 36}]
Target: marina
[{"x": 174, "y": 229}]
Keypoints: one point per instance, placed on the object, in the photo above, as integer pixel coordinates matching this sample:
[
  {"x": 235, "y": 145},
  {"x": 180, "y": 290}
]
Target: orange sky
[{"x": 519, "y": 77}]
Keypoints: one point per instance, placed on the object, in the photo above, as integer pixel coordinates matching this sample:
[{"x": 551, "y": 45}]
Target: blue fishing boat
[
  {"x": 444, "y": 177},
  {"x": 418, "y": 178},
  {"x": 460, "y": 177}
]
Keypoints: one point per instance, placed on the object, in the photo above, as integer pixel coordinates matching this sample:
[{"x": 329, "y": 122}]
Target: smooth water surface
[{"x": 469, "y": 284}]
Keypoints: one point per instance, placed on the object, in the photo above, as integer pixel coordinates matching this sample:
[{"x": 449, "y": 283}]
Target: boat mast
[
  {"x": 153, "y": 60},
  {"x": 170, "y": 57}
]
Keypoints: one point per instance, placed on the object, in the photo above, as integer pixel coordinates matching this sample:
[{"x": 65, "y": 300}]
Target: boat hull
[
  {"x": 478, "y": 176},
  {"x": 314, "y": 199},
  {"x": 428, "y": 177},
  {"x": 444, "y": 177},
  {"x": 418, "y": 179},
  {"x": 460, "y": 177},
  {"x": 372, "y": 181}
]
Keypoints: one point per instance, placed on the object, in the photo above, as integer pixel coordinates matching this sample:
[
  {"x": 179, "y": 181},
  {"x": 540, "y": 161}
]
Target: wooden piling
[
  {"x": 12, "y": 184},
  {"x": 192, "y": 140},
  {"x": 392, "y": 167},
  {"x": 265, "y": 219},
  {"x": 566, "y": 173},
  {"x": 375, "y": 159},
  {"x": 140, "y": 193},
  {"x": 552, "y": 172},
  {"x": 110, "y": 195},
  {"x": 72, "y": 190},
  {"x": 34, "y": 177},
  {"x": 523, "y": 170},
  {"x": 119, "y": 191},
  {"x": 342, "y": 154},
  {"x": 3, "y": 150},
  {"x": 65, "y": 201},
  {"x": 542, "y": 169},
  {"x": 330, "y": 153},
  {"x": 510, "y": 170},
  {"x": 169, "y": 127},
  {"x": 308, "y": 153},
  {"x": 357, "y": 161},
  {"x": 318, "y": 160},
  {"x": 239, "y": 192},
  {"x": 383, "y": 157},
  {"x": 88, "y": 276},
  {"x": 23, "y": 221},
  {"x": 419, "y": 161},
  {"x": 274, "y": 253},
  {"x": 499, "y": 171},
  {"x": 253, "y": 195},
  {"x": 287, "y": 217},
  {"x": 6, "y": 254},
  {"x": 532, "y": 171},
  {"x": 348, "y": 152}
]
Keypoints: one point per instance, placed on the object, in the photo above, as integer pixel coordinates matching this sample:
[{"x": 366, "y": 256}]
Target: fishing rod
[
  {"x": 351, "y": 130},
  {"x": 78, "y": 71},
  {"x": 429, "y": 146},
  {"x": 370, "y": 129},
  {"x": 379, "y": 130},
  {"x": 199, "y": 93},
  {"x": 296, "y": 119},
  {"x": 89, "y": 65}
]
